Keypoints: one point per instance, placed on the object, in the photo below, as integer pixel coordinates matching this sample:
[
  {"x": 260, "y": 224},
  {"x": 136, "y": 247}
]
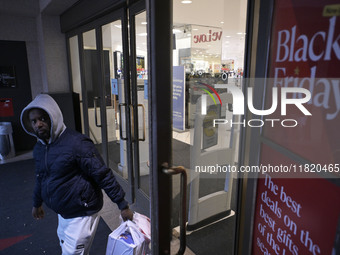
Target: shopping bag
[
  {"x": 143, "y": 223},
  {"x": 127, "y": 239}
]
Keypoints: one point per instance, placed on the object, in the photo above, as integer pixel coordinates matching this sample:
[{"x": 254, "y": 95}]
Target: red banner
[
  {"x": 302, "y": 216},
  {"x": 295, "y": 216},
  {"x": 305, "y": 52}
]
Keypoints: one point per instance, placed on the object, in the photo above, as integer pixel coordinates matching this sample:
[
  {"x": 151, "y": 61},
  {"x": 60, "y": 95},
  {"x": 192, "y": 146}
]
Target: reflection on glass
[
  {"x": 209, "y": 53},
  {"x": 142, "y": 101},
  {"x": 92, "y": 79},
  {"x": 114, "y": 90},
  {"x": 75, "y": 70}
]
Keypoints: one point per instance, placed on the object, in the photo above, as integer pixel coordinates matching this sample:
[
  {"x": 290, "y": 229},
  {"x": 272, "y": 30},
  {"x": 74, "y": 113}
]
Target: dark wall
[
  {"x": 70, "y": 107},
  {"x": 16, "y": 87},
  {"x": 93, "y": 76}
]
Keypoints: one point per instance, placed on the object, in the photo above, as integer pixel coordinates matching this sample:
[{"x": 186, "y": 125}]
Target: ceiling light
[
  {"x": 186, "y": 1},
  {"x": 142, "y": 34},
  {"x": 144, "y": 23},
  {"x": 239, "y": 33}
]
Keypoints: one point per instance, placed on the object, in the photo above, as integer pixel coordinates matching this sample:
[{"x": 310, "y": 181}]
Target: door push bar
[
  {"x": 132, "y": 122},
  {"x": 142, "y": 139},
  {"x": 183, "y": 194},
  {"x": 120, "y": 122},
  {"x": 95, "y": 111}
]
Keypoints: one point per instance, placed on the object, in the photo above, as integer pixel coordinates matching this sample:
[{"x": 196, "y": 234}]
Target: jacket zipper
[{"x": 48, "y": 175}]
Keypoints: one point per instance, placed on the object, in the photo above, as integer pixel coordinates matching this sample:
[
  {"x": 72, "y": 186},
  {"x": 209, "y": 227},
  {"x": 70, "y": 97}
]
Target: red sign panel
[
  {"x": 295, "y": 216},
  {"x": 6, "y": 107},
  {"x": 302, "y": 215},
  {"x": 305, "y": 52}
]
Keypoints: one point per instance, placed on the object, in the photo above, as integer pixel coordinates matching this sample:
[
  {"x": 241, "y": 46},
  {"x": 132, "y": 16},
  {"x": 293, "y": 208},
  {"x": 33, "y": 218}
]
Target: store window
[{"x": 208, "y": 54}]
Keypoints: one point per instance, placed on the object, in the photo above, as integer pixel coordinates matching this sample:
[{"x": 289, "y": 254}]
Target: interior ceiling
[{"x": 229, "y": 15}]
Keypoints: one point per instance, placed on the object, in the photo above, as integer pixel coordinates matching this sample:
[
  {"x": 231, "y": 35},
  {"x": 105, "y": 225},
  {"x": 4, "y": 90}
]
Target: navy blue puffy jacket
[{"x": 70, "y": 174}]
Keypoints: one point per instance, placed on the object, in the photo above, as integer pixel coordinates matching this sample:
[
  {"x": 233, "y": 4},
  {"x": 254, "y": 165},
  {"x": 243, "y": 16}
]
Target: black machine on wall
[
  {"x": 15, "y": 90},
  {"x": 15, "y": 94}
]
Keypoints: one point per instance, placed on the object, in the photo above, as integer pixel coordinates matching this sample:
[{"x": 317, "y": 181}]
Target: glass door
[
  {"x": 208, "y": 53},
  {"x": 117, "y": 98},
  {"x": 114, "y": 106},
  {"x": 140, "y": 102}
]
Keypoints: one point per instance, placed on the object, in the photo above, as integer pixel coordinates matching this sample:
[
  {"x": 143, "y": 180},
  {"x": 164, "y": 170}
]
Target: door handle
[
  {"x": 132, "y": 123},
  {"x": 95, "y": 111},
  {"x": 120, "y": 122},
  {"x": 142, "y": 139},
  {"x": 183, "y": 194}
]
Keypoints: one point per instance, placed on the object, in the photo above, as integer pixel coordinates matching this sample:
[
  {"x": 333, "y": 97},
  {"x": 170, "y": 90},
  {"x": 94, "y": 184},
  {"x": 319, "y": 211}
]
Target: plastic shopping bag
[
  {"x": 127, "y": 239},
  {"x": 143, "y": 223}
]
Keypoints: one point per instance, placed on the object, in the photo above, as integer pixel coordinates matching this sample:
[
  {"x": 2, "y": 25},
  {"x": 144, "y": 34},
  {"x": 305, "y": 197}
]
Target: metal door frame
[
  {"x": 142, "y": 200},
  {"x": 159, "y": 28},
  {"x": 119, "y": 14},
  {"x": 159, "y": 19}
]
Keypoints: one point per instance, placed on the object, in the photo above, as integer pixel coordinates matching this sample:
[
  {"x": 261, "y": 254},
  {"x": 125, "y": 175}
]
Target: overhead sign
[{"x": 207, "y": 38}]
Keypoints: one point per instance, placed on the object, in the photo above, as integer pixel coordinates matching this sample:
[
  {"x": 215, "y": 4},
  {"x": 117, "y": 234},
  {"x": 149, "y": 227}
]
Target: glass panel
[
  {"x": 114, "y": 87},
  {"x": 75, "y": 69},
  {"x": 208, "y": 53},
  {"x": 92, "y": 80},
  {"x": 142, "y": 100}
]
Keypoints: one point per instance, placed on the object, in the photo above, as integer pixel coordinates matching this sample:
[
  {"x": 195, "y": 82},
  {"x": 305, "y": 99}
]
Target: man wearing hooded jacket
[{"x": 70, "y": 175}]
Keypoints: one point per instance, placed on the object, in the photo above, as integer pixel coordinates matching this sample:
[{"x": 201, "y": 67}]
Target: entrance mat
[{"x": 217, "y": 239}]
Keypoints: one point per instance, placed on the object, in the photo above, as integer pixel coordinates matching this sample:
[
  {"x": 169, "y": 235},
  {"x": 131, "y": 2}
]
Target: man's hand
[
  {"x": 126, "y": 214},
  {"x": 38, "y": 213}
]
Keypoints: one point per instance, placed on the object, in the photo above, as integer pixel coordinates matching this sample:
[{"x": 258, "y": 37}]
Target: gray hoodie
[{"x": 46, "y": 103}]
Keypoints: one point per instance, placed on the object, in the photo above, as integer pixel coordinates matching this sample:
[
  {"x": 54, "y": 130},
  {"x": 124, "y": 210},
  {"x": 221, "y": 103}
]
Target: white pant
[{"x": 76, "y": 234}]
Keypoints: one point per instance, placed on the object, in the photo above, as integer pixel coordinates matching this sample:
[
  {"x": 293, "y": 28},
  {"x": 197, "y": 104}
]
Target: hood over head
[{"x": 46, "y": 103}]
